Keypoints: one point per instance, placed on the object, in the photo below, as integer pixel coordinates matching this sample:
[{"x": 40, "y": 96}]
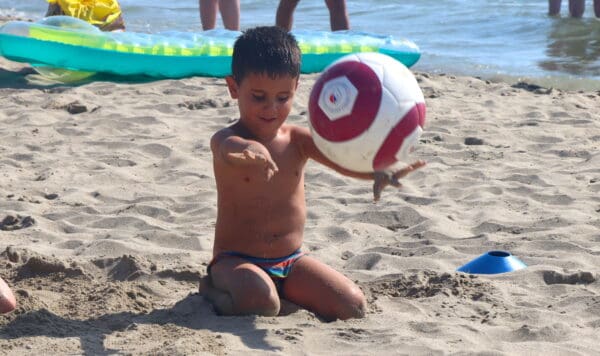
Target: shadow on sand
[
  {"x": 27, "y": 78},
  {"x": 191, "y": 312}
]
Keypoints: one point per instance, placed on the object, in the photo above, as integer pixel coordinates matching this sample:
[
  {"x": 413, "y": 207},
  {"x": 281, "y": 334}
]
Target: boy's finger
[
  {"x": 241, "y": 156},
  {"x": 377, "y": 188},
  {"x": 270, "y": 174},
  {"x": 406, "y": 170},
  {"x": 273, "y": 166},
  {"x": 395, "y": 182},
  {"x": 249, "y": 154}
]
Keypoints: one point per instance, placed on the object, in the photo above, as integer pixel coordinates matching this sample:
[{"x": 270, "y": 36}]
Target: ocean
[{"x": 496, "y": 40}]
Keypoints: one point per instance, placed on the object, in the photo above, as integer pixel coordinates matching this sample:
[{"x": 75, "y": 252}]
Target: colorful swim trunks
[{"x": 275, "y": 267}]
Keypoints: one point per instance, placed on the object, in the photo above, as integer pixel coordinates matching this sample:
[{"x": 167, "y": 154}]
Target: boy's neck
[{"x": 245, "y": 132}]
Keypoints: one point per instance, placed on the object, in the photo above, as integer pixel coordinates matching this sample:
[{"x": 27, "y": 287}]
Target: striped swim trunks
[{"x": 275, "y": 267}]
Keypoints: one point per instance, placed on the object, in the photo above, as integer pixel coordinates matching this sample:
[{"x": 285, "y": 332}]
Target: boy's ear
[{"x": 232, "y": 86}]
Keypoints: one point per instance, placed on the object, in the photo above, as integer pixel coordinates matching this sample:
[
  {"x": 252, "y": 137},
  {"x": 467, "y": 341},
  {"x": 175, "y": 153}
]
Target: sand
[{"x": 108, "y": 204}]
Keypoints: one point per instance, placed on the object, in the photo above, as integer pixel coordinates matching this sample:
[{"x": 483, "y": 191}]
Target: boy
[
  {"x": 259, "y": 170},
  {"x": 104, "y": 14}
]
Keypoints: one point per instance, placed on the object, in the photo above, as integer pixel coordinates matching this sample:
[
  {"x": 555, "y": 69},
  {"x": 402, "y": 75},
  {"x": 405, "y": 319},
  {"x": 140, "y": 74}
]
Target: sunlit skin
[
  {"x": 7, "y": 298},
  {"x": 259, "y": 170}
]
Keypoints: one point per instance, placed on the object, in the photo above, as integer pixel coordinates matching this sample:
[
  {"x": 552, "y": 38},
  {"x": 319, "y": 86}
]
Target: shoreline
[{"x": 551, "y": 79}]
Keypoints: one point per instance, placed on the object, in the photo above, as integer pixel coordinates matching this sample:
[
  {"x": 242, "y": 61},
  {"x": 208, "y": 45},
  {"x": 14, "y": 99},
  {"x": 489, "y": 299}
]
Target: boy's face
[{"x": 264, "y": 102}]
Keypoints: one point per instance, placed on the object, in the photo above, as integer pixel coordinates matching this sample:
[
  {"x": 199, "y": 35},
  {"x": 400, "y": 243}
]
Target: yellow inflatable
[{"x": 100, "y": 13}]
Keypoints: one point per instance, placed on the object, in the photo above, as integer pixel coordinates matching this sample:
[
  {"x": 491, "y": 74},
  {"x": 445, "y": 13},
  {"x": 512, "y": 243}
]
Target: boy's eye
[
  {"x": 258, "y": 97},
  {"x": 283, "y": 99}
]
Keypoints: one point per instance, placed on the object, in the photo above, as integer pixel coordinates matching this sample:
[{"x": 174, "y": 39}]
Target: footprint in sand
[
  {"x": 11, "y": 222},
  {"x": 552, "y": 277},
  {"x": 38, "y": 265}
]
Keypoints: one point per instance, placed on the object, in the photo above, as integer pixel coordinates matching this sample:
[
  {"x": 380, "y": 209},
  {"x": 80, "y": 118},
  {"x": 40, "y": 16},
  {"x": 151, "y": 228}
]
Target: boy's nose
[{"x": 271, "y": 107}]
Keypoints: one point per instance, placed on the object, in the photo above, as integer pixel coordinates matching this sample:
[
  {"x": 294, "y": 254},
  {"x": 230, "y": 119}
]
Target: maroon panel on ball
[
  {"x": 365, "y": 107},
  {"x": 421, "y": 108},
  {"x": 392, "y": 143}
]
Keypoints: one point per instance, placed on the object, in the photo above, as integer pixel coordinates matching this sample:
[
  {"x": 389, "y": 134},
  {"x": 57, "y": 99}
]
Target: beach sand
[{"x": 108, "y": 205}]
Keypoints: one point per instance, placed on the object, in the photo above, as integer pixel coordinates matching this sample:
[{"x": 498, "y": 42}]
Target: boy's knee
[
  {"x": 265, "y": 303},
  {"x": 357, "y": 306},
  {"x": 354, "y": 306}
]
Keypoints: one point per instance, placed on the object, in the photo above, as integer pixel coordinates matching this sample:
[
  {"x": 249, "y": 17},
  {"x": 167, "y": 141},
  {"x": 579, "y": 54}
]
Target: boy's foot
[
  {"x": 220, "y": 300},
  {"x": 204, "y": 285}
]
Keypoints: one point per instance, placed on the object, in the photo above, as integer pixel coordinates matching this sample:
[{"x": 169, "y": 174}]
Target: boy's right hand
[
  {"x": 258, "y": 159},
  {"x": 382, "y": 179}
]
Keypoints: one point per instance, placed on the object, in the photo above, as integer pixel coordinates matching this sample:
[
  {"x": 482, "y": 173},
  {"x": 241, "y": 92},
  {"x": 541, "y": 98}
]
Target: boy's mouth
[{"x": 268, "y": 119}]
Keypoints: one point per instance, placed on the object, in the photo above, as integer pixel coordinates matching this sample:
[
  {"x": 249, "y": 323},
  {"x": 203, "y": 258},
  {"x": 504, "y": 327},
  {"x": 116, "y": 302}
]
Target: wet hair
[{"x": 267, "y": 50}]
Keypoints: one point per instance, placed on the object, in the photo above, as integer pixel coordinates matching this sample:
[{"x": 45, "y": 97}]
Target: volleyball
[{"x": 366, "y": 112}]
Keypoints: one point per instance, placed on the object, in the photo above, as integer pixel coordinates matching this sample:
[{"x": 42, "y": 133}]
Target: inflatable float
[{"x": 70, "y": 43}]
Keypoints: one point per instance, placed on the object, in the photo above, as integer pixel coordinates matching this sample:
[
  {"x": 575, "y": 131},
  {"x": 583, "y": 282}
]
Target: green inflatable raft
[{"x": 72, "y": 44}]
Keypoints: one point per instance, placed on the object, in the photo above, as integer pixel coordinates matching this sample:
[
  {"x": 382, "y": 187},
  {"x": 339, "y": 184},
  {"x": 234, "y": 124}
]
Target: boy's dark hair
[{"x": 265, "y": 49}]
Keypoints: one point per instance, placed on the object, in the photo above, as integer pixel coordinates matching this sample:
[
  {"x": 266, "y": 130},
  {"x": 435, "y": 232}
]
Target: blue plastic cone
[{"x": 493, "y": 262}]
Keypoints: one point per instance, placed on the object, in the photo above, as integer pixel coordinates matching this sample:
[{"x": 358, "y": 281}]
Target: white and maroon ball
[{"x": 366, "y": 112}]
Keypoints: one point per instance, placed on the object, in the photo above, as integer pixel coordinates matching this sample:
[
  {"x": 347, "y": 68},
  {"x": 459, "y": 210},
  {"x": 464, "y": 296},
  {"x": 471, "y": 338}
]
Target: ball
[{"x": 366, "y": 112}]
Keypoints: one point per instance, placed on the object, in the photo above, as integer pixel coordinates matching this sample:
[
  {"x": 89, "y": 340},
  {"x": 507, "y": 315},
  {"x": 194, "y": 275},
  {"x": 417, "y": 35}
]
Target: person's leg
[
  {"x": 238, "y": 287},
  {"x": 554, "y": 7},
  {"x": 338, "y": 16},
  {"x": 597, "y": 8},
  {"x": 319, "y": 288},
  {"x": 208, "y": 13},
  {"x": 117, "y": 25},
  {"x": 576, "y": 8},
  {"x": 7, "y": 298},
  {"x": 230, "y": 14},
  {"x": 285, "y": 14}
]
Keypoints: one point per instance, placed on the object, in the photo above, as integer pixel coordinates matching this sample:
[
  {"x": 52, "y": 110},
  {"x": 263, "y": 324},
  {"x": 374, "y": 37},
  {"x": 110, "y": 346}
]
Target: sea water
[{"x": 503, "y": 40}]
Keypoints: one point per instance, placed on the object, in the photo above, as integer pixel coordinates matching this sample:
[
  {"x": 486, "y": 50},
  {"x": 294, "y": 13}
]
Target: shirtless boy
[{"x": 259, "y": 170}]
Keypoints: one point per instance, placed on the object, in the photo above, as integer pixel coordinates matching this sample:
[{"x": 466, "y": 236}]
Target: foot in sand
[{"x": 220, "y": 300}]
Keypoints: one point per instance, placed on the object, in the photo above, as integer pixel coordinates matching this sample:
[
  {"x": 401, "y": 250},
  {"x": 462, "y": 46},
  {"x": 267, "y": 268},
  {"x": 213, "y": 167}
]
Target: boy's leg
[
  {"x": 285, "y": 14},
  {"x": 53, "y": 10},
  {"x": 597, "y": 8},
  {"x": 230, "y": 14},
  {"x": 321, "y": 289},
  {"x": 238, "y": 287},
  {"x": 208, "y": 13},
  {"x": 338, "y": 16},
  {"x": 7, "y": 298},
  {"x": 117, "y": 25},
  {"x": 576, "y": 8},
  {"x": 553, "y": 7}
]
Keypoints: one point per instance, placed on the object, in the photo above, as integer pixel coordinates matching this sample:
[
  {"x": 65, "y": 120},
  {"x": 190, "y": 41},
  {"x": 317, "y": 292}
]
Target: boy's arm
[
  {"x": 310, "y": 150},
  {"x": 238, "y": 151},
  {"x": 381, "y": 179}
]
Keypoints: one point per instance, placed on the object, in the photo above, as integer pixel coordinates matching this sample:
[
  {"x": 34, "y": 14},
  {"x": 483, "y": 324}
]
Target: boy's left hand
[
  {"x": 383, "y": 179},
  {"x": 251, "y": 158}
]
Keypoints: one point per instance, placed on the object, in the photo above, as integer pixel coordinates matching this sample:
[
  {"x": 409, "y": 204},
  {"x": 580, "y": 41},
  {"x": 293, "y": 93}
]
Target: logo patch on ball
[{"x": 337, "y": 98}]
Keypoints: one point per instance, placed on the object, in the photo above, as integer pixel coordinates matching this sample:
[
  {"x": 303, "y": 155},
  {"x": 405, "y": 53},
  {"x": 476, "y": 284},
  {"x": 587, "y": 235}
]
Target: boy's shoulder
[
  {"x": 297, "y": 130},
  {"x": 221, "y": 135},
  {"x": 228, "y": 130}
]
